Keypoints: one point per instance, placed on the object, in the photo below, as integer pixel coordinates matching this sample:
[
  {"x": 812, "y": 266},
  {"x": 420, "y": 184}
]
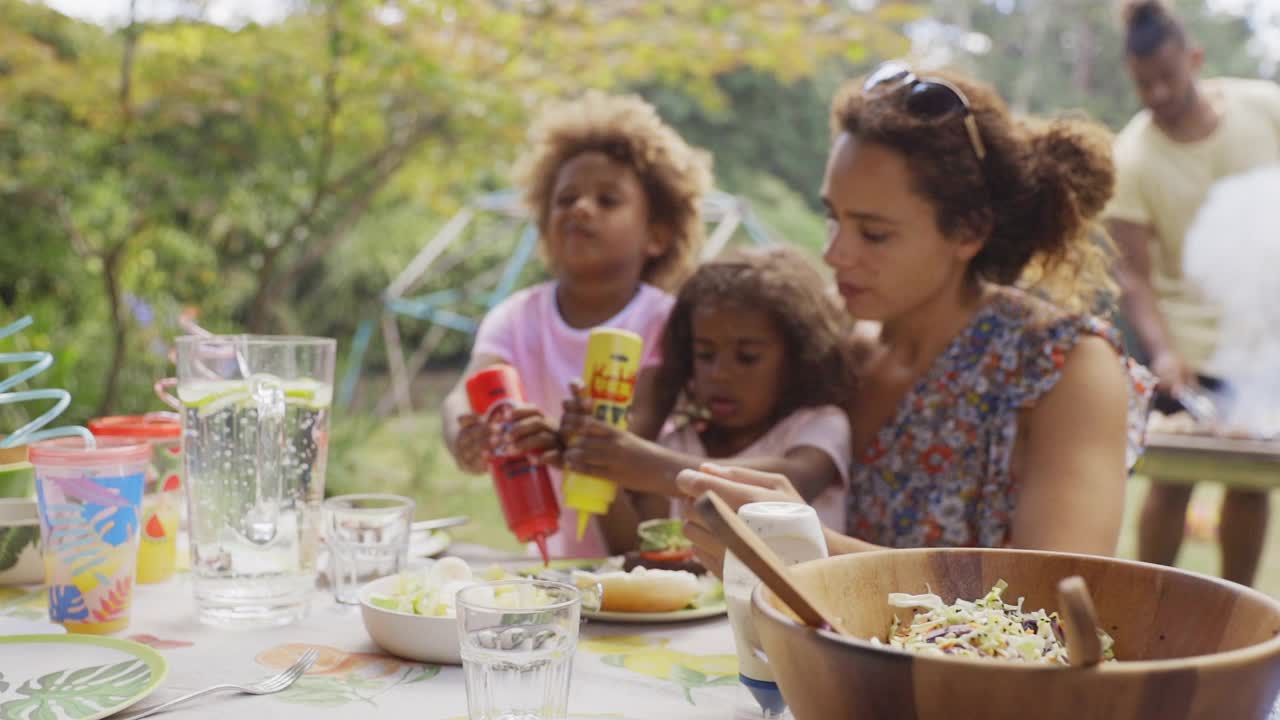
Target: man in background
[{"x": 1192, "y": 133}]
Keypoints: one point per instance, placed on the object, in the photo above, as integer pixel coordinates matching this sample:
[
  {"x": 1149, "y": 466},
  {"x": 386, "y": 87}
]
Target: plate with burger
[{"x": 659, "y": 583}]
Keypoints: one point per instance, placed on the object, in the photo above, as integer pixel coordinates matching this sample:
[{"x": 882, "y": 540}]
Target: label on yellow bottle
[{"x": 609, "y": 375}]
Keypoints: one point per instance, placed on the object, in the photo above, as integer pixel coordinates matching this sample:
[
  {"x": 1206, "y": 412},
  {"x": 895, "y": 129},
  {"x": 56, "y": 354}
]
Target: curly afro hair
[
  {"x": 627, "y": 129},
  {"x": 784, "y": 285}
]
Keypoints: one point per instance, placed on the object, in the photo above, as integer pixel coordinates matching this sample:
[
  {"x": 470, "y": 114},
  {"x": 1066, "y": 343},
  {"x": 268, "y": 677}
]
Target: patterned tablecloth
[
  {"x": 673, "y": 671},
  {"x": 632, "y": 672}
]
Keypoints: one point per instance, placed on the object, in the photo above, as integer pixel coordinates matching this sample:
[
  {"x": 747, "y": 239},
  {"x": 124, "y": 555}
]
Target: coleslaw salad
[{"x": 984, "y": 628}]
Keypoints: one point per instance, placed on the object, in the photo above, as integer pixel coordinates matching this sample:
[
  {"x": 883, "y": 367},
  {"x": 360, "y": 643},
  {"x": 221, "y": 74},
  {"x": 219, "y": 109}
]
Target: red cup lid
[
  {"x": 72, "y": 452},
  {"x": 152, "y": 426}
]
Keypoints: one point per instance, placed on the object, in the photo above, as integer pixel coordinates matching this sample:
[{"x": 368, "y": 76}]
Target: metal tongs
[{"x": 1198, "y": 404}]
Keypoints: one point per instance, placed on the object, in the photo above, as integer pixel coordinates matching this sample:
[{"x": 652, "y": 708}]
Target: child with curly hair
[
  {"x": 758, "y": 351},
  {"x": 616, "y": 194}
]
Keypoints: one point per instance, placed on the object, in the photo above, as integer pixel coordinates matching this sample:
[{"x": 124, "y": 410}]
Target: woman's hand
[{"x": 737, "y": 487}]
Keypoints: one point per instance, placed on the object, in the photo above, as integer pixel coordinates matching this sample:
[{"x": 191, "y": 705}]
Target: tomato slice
[{"x": 675, "y": 555}]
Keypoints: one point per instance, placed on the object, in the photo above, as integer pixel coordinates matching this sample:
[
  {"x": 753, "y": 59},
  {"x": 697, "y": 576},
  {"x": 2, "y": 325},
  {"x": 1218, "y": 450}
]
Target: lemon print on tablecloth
[
  {"x": 340, "y": 678},
  {"x": 23, "y": 604},
  {"x": 653, "y": 658}
]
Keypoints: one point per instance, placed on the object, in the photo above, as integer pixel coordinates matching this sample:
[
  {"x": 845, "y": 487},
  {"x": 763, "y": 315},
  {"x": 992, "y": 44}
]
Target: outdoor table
[
  {"x": 672, "y": 671},
  {"x": 632, "y": 672},
  {"x": 1234, "y": 462}
]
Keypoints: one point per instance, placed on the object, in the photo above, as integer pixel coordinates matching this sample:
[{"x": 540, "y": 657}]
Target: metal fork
[{"x": 273, "y": 684}]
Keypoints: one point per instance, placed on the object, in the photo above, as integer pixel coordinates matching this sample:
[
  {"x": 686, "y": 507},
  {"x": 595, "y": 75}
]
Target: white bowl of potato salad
[{"x": 413, "y": 615}]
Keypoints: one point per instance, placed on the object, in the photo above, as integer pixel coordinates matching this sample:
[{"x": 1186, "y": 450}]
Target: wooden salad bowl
[{"x": 1187, "y": 646}]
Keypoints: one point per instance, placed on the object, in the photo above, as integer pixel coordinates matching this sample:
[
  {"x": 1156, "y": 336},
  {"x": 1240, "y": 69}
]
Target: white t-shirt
[
  {"x": 527, "y": 332},
  {"x": 825, "y": 428}
]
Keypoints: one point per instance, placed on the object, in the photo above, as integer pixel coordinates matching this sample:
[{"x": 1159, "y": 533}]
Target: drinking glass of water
[
  {"x": 368, "y": 538},
  {"x": 518, "y": 638}
]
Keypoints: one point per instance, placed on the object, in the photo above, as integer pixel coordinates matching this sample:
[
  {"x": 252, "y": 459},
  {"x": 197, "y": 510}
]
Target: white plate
[
  {"x": 685, "y": 615},
  {"x": 429, "y": 543},
  {"x": 702, "y": 613},
  {"x": 102, "y": 676}
]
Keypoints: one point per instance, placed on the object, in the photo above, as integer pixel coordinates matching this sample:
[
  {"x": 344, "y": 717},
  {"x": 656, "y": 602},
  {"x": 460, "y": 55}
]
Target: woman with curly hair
[
  {"x": 759, "y": 353},
  {"x": 616, "y": 194},
  {"x": 992, "y": 409}
]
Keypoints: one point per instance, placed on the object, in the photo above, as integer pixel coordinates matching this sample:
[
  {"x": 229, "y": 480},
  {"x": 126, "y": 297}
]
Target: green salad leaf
[{"x": 662, "y": 534}]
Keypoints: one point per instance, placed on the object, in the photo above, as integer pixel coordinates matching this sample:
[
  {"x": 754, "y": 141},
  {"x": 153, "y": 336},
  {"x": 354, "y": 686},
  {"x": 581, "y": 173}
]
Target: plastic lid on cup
[
  {"x": 152, "y": 426},
  {"x": 71, "y": 452}
]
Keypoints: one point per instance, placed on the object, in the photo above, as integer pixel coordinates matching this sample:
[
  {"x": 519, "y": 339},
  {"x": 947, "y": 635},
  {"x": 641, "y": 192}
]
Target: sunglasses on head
[{"x": 926, "y": 97}]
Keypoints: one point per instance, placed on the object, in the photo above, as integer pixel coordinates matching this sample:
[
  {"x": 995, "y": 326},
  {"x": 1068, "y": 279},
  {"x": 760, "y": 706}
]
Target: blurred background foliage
[{"x": 275, "y": 177}]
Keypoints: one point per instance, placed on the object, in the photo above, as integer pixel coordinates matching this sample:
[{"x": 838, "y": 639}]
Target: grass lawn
[
  {"x": 1201, "y": 553},
  {"x": 406, "y": 455}
]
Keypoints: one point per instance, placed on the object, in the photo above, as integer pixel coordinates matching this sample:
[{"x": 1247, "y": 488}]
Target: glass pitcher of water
[{"x": 255, "y": 415}]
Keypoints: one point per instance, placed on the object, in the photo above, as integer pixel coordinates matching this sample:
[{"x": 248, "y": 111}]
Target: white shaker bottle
[{"x": 793, "y": 531}]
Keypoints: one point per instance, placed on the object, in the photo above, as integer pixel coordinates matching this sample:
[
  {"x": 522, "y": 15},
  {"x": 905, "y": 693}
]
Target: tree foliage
[{"x": 273, "y": 177}]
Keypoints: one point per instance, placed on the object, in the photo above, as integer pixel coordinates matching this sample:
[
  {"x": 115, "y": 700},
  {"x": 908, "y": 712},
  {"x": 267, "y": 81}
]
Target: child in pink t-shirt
[
  {"x": 616, "y": 193},
  {"x": 760, "y": 353}
]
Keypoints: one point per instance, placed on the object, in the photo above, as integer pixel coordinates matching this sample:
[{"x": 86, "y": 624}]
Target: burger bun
[{"x": 643, "y": 590}]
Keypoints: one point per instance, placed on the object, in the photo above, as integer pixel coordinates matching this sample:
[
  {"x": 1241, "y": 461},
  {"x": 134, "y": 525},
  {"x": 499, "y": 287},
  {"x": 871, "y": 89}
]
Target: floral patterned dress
[{"x": 938, "y": 474}]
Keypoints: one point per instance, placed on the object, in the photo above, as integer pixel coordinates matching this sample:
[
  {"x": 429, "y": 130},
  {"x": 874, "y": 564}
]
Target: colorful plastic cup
[
  {"x": 162, "y": 496},
  {"x": 90, "y": 501}
]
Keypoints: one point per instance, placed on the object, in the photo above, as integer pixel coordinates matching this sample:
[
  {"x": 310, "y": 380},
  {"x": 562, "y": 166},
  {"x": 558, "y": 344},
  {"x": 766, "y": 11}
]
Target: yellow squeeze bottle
[{"x": 609, "y": 374}]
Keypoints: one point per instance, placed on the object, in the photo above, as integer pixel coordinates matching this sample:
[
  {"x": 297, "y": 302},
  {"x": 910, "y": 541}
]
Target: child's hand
[
  {"x": 577, "y": 410},
  {"x": 472, "y": 444},
  {"x": 592, "y": 446},
  {"x": 524, "y": 431}
]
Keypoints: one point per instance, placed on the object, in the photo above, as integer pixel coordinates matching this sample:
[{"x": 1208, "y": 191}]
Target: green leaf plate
[{"x": 75, "y": 677}]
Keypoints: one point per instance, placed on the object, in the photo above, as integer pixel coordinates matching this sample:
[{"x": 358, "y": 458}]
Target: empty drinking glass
[
  {"x": 517, "y": 639},
  {"x": 368, "y": 538}
]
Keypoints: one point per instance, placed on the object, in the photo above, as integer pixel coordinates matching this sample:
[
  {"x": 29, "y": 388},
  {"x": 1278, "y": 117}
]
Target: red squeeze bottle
[{"x": 524, "y": 487}]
